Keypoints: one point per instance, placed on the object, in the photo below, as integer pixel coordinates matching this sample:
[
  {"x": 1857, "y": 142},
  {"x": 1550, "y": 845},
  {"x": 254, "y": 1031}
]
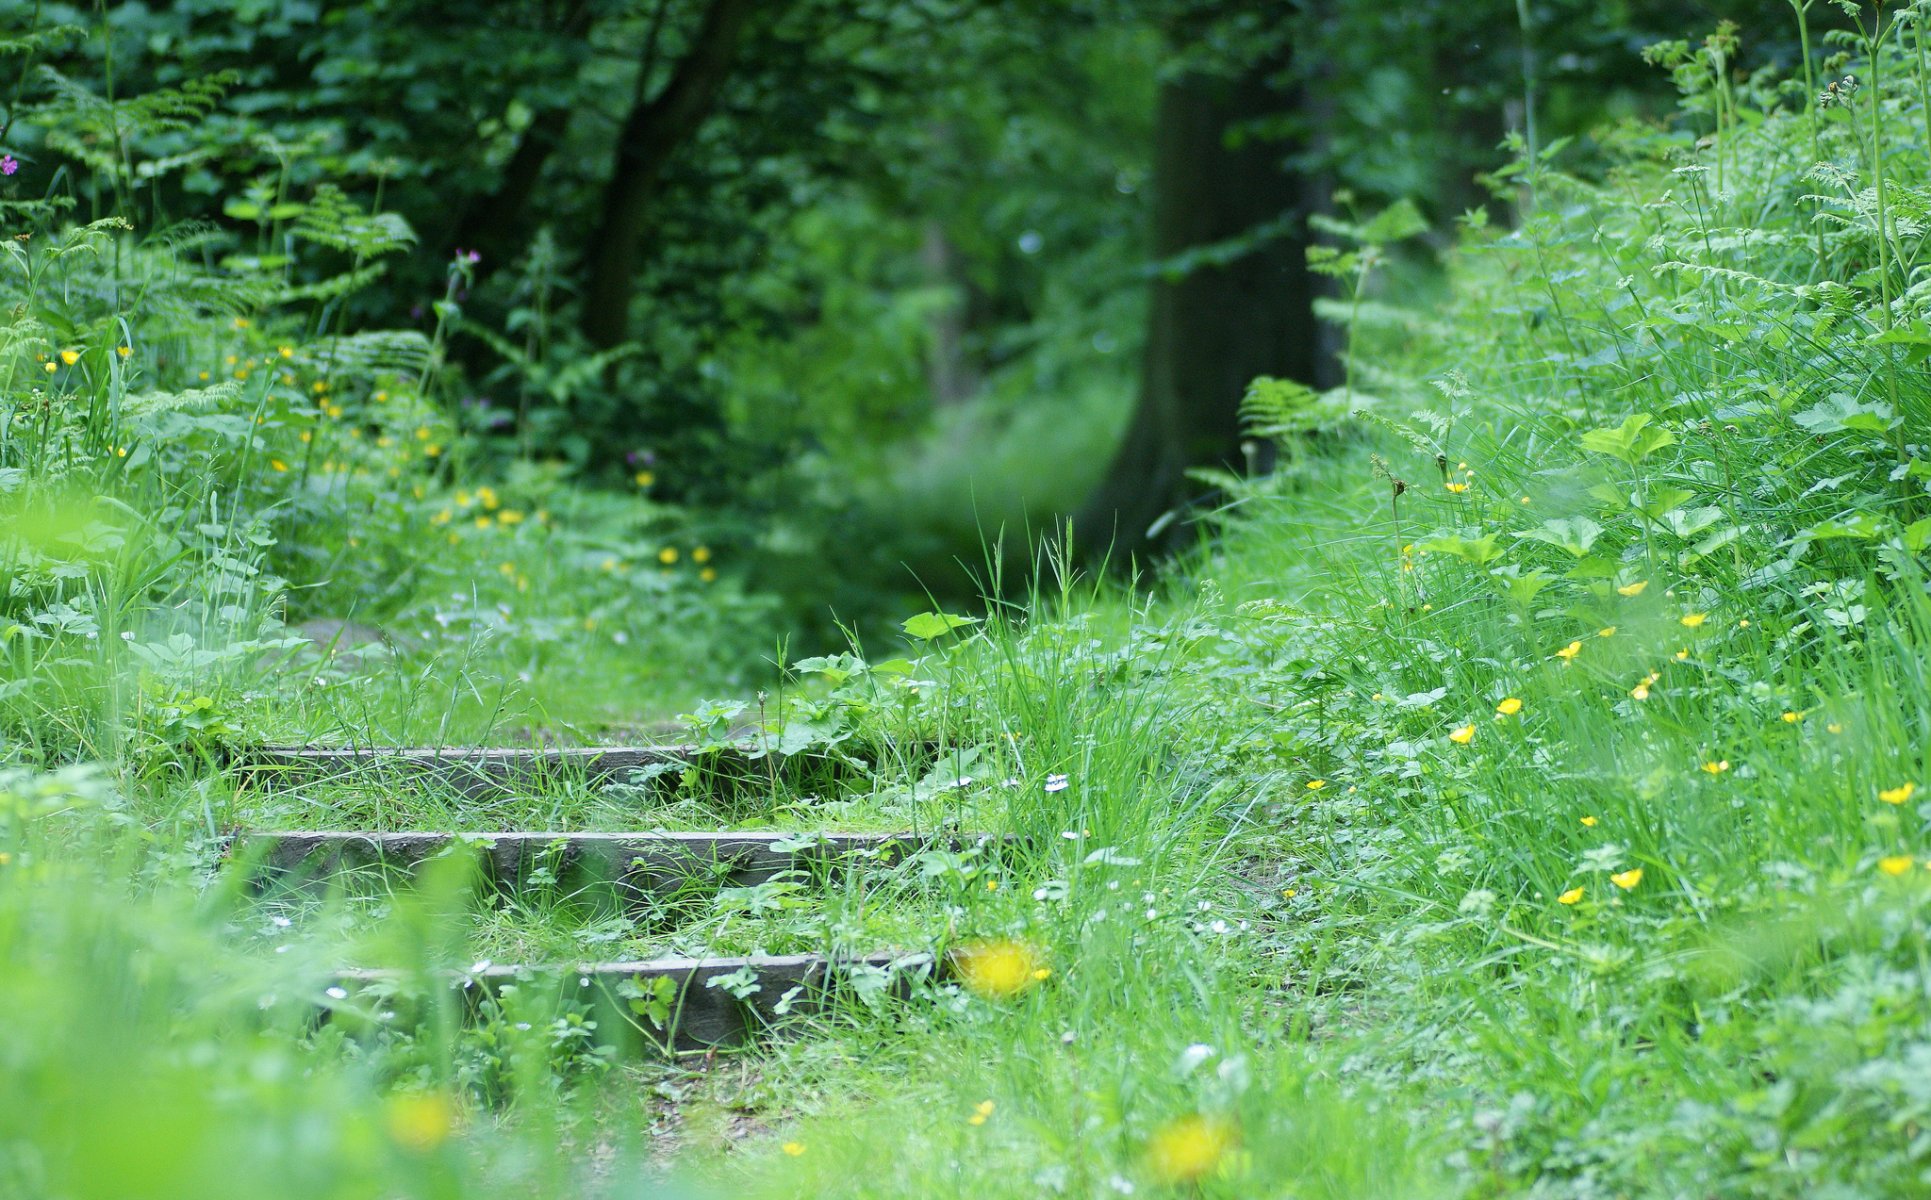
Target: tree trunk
[
  {"x": 947, "y": 368},
  {"x": 656, "y": 127},
  {"x": 1214, "y": 328}
]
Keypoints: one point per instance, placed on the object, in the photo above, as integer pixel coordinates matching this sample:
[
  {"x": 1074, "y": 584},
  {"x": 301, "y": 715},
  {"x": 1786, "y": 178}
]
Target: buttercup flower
[
  {"x": 1188, "y": 1149},
  {"x": 998, "y": 969},
  {"x": 1570, "y": 897},
  {"x": 1899, "y": 794},
  {"x": 1570, "y": 651},
  {"x": 1509, "y": 707},
  {"x": 1692, "y": 620},
  {"x": 1633, "y": 589},
  {"x": 1462, "y": 736},
  {"x": 1627, "y": 880},
  {"x": 420, "y": 1121},
  {"x": 1895, "y": 864}
]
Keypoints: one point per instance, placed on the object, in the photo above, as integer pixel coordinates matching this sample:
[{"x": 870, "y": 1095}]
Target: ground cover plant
[{"x": 1517, "y": 790}]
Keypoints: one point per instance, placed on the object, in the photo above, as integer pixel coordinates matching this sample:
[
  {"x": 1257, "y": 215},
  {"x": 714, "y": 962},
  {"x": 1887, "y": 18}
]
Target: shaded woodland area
[{"x": 870, "y": 283}]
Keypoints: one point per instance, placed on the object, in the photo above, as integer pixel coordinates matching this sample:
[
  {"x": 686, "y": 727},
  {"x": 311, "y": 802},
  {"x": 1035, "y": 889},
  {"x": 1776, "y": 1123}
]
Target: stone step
[
  {"x": 670, "y": 1005},
  {"x": 637, "y": 865},
  {"x": 477, "y": 771}
]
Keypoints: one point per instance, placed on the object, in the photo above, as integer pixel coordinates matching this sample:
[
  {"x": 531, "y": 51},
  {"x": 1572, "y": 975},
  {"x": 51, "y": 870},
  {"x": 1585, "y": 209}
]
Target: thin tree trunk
[
  {"x": 656, "y": 127},
  {"x": 1215, "y": 328},
  {"x": 947, "y": 368},
  {"x": 494, "y": 225}
]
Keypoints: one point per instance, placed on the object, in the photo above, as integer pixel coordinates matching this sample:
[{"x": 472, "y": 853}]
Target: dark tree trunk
[
  {"x": 1213, "y": 329},
  {"x": 493, "y": 225},
  {"x": 656, "y": 127}
]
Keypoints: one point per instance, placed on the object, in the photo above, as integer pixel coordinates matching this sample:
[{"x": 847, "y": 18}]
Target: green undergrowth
[{"x": 1520, "y": 792}]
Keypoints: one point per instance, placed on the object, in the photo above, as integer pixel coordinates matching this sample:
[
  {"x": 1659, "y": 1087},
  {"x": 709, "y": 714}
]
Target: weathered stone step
[
  {"x": 487, "y": 770},
  {"x": 675, "y": 1005},
  {"x": 636, "y": 864}
]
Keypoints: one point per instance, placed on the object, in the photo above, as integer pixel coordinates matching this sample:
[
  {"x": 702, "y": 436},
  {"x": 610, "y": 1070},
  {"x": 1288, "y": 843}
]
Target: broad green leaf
[
  {"x": 1659, "y": 501},
  {"x": 1840, "y": 412},
  {"x": 1917, "y": 535},
  {"x": 1476, "y": 550},
  {"x": 1632, "y": 441},
  {"x": 1857, "y": 525},
  {"x": 1574, "y": 534},
  {"x": 927, "y": 626},
  {"x": 1686, "y": 523},
  {"x": 1523, "y": 588}
]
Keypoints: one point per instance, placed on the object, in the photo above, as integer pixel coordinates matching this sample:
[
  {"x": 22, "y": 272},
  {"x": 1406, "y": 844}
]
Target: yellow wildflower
[
  {"x": 1509, "y": 707},
  {"x": 1895, "y": 864},
  {"x": 701, "y": 554},
  {"x": 277, "y": 464},
  {"x": 794, "y": 1149},
  {"x": 1606, "y": 631},
  {"x": 645, "y": 479},
  {"x": 1633, "y": 589},
  {"x": 1570, "y": 897},
  {"x": 1462, "y": 736},
  {"x": 1627, "y": 880},
  {"x": 285, "y": 351},
  {"x": 1899, "y": 794},
  {"x": 1692, "y": 620},
  {"x": 997, "y": 969},
  {"x": 510, "y": 516},
  {"x": 1791, "y": 718},
  {"x": 708, "y": 574},
  {"x": 667, "y": 555},
  {"x": 1315, "y": 785},
  {"x": 52, "y": 367},
  {"x": 1190, "y": 1148},
  {"x": 980, "y": 1112},
  {"x": 421, "y": 1121},
  {"x": 124, "y": 351},
  {"x": 488, "y": 497},
  {"x": 1590, "y": 822},
  {"x": 70, "y": 357},
  {"x": 1833, "y": 727},
  {"x": 1716, "y": 766},
  {"x": 1570, "y": 651},
  {"x": 1457, "y": 488}
]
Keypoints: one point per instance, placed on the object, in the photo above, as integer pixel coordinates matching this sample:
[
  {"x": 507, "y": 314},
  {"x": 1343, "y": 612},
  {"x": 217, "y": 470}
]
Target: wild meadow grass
[{"x": 1519, "y": 793}]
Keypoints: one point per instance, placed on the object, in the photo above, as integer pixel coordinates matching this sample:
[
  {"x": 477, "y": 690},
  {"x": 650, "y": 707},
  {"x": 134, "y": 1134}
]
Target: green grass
[{"x": 1509, "y": 798}]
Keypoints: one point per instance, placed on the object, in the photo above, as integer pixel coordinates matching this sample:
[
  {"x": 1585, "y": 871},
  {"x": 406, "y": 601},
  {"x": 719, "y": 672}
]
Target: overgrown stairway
[{"x": 653, "y": 880}]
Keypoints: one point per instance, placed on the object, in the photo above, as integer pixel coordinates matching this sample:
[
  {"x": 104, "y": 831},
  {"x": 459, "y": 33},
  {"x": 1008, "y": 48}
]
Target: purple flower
[
  {"x": 468, "y": 256},
  {"x": 8, "y": 164}
]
